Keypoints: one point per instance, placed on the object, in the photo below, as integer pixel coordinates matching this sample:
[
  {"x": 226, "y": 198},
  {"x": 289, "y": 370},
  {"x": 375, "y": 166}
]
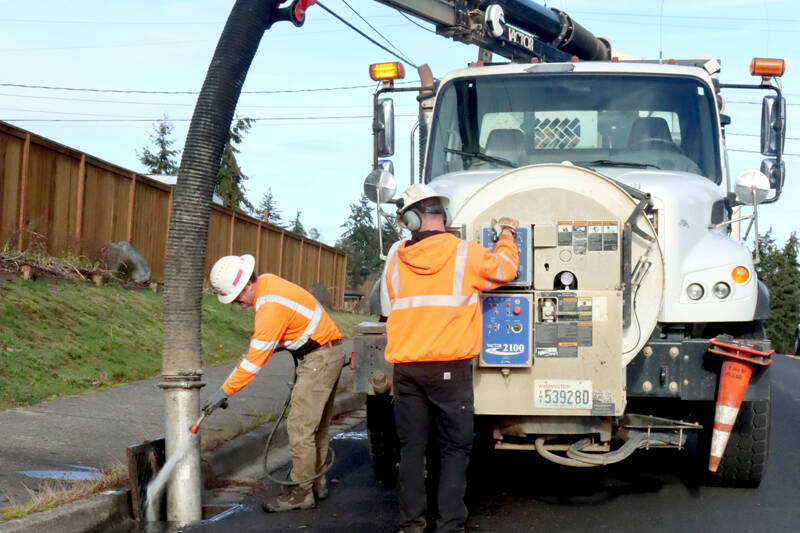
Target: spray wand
[{"x": 196, "y": 426}]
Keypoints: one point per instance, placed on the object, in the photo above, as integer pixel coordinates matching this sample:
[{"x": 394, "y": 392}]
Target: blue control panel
[
  {"x": 506, "y": 335},
  {"x": 523, "y": 242}
]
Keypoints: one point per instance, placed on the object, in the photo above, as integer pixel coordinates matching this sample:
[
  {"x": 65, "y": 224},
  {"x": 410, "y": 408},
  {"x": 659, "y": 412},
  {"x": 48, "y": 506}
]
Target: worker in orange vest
[
  {"x": 433, "y": 333},
  {"x": 286, "y": 317}
]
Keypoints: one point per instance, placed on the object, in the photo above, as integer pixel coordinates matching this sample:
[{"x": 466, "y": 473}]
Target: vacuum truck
[{"x": 636, "y": 317}]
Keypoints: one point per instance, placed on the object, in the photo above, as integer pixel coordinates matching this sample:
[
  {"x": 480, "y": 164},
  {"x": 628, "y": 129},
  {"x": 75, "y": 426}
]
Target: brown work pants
[{"x": 311, "y": 410}]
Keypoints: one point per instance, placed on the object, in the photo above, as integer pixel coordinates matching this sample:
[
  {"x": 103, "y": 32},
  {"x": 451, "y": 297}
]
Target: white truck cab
[{"x": 634, "y": 292}]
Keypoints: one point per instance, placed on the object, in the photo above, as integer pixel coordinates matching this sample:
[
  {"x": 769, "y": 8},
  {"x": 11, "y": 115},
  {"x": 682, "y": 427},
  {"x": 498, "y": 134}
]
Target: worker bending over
[
  {"x": 286, "y": 317},
  {"x": 433, "y": 333}
]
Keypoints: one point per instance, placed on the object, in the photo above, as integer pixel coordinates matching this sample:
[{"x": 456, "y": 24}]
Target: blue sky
[{"x": 318, "y": 166}]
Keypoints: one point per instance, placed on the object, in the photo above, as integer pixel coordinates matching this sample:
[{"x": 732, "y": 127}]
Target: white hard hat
[
  {"x": 416, "y": 193},
  {"x": 230, "y": 275}
]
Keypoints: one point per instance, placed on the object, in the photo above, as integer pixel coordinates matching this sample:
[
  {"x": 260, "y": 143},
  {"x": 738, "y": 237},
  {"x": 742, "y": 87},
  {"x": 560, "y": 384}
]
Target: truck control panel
[
  {"x": 506, "y": 339},
  {"x": 523, "y": 242}
]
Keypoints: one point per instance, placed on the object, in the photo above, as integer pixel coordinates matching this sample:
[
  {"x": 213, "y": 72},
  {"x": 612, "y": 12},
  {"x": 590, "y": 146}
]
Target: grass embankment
[
  {"x": 63, "y": 339},
  {"x": 54, "y": 493}
]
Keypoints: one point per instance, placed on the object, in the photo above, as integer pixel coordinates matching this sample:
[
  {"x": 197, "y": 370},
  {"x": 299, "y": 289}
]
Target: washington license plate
[{"x": 563, "y": 393}]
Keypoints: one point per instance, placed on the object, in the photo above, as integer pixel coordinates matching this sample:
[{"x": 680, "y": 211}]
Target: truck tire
[
  {"x": 745, "y": 459},
  {"x": 384, "y": 447}
]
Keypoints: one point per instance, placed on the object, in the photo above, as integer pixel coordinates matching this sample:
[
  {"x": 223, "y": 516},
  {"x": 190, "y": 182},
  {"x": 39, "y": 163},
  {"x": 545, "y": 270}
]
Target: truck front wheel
[{"x": 745, "y": 459}]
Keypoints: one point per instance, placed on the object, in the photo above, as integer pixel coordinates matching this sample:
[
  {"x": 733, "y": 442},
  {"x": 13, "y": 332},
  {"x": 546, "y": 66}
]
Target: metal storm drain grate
[{"x": 144, "y": 462}]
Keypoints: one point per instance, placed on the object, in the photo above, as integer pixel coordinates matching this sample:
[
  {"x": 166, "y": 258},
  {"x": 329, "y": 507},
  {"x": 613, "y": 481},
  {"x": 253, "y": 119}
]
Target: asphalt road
[{"x": 519, "y": 492}]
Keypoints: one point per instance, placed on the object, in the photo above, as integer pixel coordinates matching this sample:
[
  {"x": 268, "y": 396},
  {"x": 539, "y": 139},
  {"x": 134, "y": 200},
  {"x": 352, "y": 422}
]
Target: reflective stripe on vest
[
  {"x": 314, "y": 317},
  {"x": 310, "y": 329},
  {"x": 508, "y": 260},
  {"x": 441, "y": 300},
  {"x": 286, "y": 302},
  {"x": 249, "y": 367},
  {"x": 456, "y": 299},
  {"x": 395, "y": 274}
]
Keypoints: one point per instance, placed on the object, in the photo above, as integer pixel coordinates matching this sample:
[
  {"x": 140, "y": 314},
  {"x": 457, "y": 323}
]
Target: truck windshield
[{"x": 596, "y": 120}]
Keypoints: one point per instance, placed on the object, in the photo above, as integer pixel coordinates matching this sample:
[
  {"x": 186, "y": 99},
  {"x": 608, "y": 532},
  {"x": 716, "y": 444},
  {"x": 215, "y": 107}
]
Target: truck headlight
[
  {"x": 695, "y": 291},
  {"x": 567, "y": 278},
  {"x": 721, "y": 290}
]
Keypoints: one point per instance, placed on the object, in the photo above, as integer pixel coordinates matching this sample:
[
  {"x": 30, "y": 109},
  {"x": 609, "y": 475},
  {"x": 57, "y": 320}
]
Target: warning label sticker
[
  {"x": 584, "y": 333},
  {"x": 589, "y": 236},
  {"x": 557, "y": 339},
  {"x": 579, "y": 242},
  {"x": 546, "y": 337},
  {"x": 567, "y": 332},
  {"x": 568, "y": 349},
  {"x": 565, "y": 233},
  {"x": 585, "y": 308},
  {"x": 595, "y": 237},
  {"x": 610, "y": 236}
]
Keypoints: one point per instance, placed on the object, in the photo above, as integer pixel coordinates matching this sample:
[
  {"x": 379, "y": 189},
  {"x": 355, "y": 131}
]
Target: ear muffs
[{"x": 412, "y": 217}]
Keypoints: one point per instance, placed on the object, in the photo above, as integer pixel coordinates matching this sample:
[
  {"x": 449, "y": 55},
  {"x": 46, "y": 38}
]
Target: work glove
[
  {"x": 218, "y": 399},
  {"x": 504, "y": 223}
]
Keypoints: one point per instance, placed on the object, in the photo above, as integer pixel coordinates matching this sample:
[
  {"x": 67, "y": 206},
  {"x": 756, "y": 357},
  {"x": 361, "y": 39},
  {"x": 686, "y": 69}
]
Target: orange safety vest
[
  {"x": 287, "y": 316},
  {"x": 433, "y": 289}
]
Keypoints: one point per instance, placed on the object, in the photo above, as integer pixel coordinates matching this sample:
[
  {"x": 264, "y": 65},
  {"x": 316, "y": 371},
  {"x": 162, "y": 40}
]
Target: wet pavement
[
  {"x": 74, "y": 438},
  {"x": 659, "y": 490}
]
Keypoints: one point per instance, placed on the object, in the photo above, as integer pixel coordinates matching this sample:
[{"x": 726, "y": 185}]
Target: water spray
[{"x": 157, "y": 484}]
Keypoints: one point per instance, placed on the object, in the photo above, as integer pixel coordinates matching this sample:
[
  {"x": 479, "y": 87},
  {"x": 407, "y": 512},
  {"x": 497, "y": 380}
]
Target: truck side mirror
[
  {"x": 752, "y": 187},
  {"x": 383, "y": 127},
  {"x": 380, "y": 186},
  {"x": 773, "y": 125},
  {"x": 387, "y": 165},
  {"x": 774, "y": 172}
]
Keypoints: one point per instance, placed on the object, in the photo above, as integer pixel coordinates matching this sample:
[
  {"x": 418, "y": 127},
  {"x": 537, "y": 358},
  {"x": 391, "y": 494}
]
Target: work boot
[
  {"x": 292, "y": 498},
  {"x": 414, "y": 528},
  {"x": 320, "y": 488}
]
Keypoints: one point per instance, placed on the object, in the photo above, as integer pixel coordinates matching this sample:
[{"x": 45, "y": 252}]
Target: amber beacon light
[
  {"x": 763, "y": 66},
  {"x": 387, "y": 71}
]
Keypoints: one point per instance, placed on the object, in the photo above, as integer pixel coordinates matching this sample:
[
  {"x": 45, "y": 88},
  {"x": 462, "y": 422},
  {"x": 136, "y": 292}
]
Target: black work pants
[{"x": 435, "y": 397}]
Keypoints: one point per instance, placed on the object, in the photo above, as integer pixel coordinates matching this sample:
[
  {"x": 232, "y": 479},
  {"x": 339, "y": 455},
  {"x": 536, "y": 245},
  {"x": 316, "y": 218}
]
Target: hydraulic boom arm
[{"x": 519, "y": 30}]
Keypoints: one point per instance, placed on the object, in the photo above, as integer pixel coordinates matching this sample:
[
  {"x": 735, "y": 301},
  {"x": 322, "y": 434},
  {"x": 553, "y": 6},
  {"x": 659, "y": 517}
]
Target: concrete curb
[
  {"x": 81, "y": 516},
  {"x": 113, "y": 507}
]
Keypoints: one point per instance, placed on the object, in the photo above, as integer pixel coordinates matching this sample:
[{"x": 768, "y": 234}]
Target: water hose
[
  {"x": 286, "y": 482},
  {"x": 577, "y": 457}
]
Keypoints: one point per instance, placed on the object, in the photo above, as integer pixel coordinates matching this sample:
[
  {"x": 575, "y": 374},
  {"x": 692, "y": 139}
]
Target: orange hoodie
[
  {"x": 287, "y": 316},
  {"x": 433, "y": 289}
]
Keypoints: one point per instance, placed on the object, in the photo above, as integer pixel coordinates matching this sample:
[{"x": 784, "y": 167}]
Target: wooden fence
[{"x": 79, "y": 204}]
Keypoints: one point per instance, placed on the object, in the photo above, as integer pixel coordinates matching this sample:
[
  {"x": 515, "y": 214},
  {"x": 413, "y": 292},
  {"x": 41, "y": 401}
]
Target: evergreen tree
[
  {"x": 163, "y": 160},
  {"x": 360, "y": 242},
  {"x": 296, "y": 227},
  {"x": 779, "y": 269},
  {"x": 231, "y": 178},
  {"x": 269, "y": 206},
  {"x": 313, "y": 233}
]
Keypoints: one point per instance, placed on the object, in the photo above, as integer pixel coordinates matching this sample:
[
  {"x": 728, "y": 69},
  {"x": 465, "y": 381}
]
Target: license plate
[{"x": 563, "y": 393}]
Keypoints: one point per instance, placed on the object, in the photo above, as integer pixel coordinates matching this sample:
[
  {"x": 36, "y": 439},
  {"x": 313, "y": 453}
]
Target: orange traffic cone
[{"x": 737, "y": 368}]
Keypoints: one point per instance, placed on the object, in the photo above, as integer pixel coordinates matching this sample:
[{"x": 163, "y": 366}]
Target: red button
[{"x": 517, "y": 310}]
